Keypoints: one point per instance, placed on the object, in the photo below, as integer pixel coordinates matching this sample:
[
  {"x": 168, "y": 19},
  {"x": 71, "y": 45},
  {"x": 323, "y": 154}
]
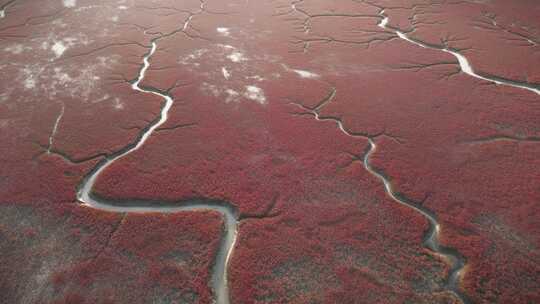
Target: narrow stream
[
  {"x": 431, "y": 237},
  {"x": 219, "y": 272},
  {"x": 4, "y": 7},
  {"x": 463, "y": 62},
  {"x": 55, "y": 128}
]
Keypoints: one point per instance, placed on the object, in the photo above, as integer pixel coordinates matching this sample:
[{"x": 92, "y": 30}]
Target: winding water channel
[
  {"x": 228, "y": 211},
  {"x": 464, "y": 63}
]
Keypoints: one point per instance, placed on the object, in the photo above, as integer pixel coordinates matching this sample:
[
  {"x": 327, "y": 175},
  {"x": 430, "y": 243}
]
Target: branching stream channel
[{"x": 228, "y": 211}]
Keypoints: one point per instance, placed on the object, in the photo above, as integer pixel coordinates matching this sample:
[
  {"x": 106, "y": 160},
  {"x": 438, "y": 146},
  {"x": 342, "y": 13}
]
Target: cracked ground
[{"x": 381, "y": 151}]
